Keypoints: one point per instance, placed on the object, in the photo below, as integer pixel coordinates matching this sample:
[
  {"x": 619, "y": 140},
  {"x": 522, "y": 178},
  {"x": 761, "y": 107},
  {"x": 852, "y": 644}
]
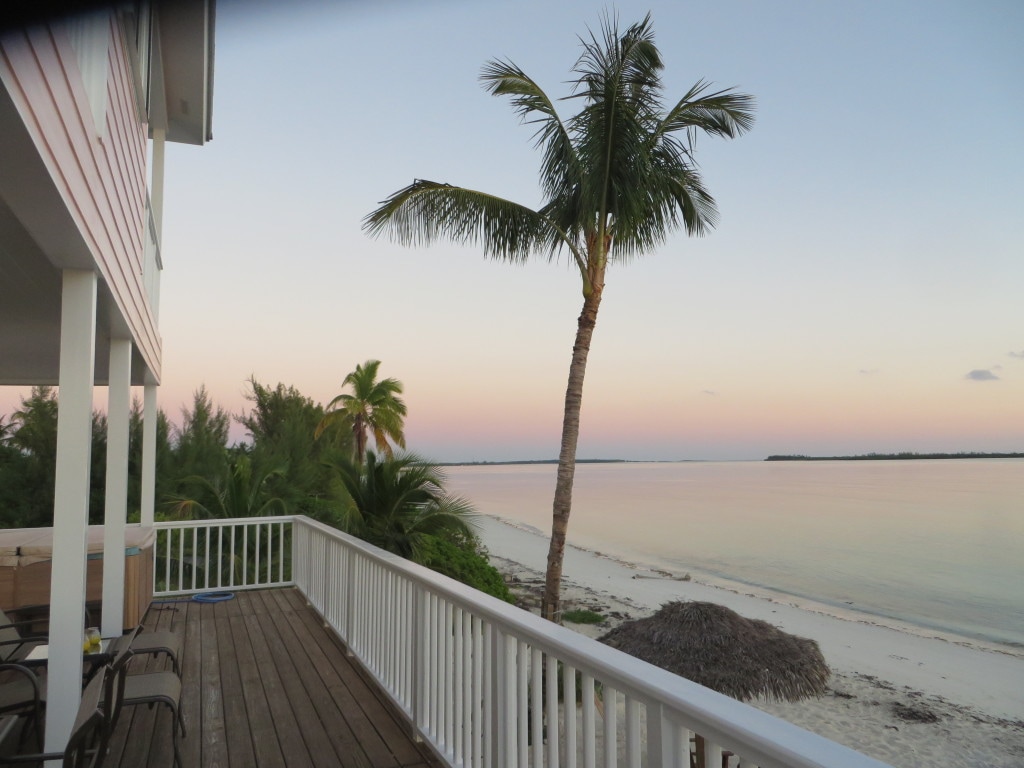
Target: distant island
[
  {"x": 898, "y": 456},
  {"x": 526, "y": 461}
]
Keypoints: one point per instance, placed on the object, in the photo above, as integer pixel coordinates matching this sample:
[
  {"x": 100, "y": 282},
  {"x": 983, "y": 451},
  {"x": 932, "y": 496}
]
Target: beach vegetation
[
  {"x": 201, "y": 442},
  {"x": 238, "y": 492},
  {"x": 618, "y": 176},
  {"x": 373, "y": 407},
  {"x": 280, "y": 424},
  {"x": 399, "y": 503},
  {"x": 583, "y": 616},
  {"x": 464, "y": 559}
]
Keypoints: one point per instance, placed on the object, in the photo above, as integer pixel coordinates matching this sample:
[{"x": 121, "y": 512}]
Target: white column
[
  {"x": 71, "y": 504},
  {"x": 116, "y": 513},
  {"x": 149, "y": 419}
]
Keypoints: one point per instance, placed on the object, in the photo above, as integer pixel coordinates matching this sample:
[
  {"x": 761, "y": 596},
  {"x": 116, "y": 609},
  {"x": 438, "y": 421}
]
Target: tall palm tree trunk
[
  {"x": 359, "y": 431},
  {"x": 551, "y": 602}
]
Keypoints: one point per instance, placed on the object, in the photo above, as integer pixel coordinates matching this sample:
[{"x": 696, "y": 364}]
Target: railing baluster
[
  {"x": 467, "y": 688},
  {"x": 490, "y": 725},
  {"x": 507, "y": 700},
  {"x": 258, "y": 563},
  {"x": 181, "y": 560},
  {"x": 220, "y": 555},
  {"x": 168, "y": 555},
  {"x": 632, "y": 732},
  {"x": 231, "y": 558},
  {"x": 478, "y": 693},
  {"x": 245, "y": 555},
  {"x": 456, "y": 684},
  {"x": 551, "y": 675},
  {"x": 610, "y": 698},
  {"x": 446, "y": 681},
  {"x": 589, "y": 720},
  {"x": 206, "y": 557},
  {"x": 522, "y": 703},
  {"x": 195, "y": 539},
  {"x": 280, "y": 551},
  {"x": 537, "y": 705}
]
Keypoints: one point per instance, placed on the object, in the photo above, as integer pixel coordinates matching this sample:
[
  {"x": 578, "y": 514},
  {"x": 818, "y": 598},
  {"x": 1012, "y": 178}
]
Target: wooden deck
[{"x": 264, "y": 684}]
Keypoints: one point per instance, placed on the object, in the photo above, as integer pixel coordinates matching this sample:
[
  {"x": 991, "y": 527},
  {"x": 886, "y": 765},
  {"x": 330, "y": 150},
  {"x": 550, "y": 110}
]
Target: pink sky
[{"x": 862, "y": 269}]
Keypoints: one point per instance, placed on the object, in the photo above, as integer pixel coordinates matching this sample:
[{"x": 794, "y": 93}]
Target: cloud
[
  {"x": 868, "y": 371},
  {"x": 1018, "y": 355},
  {"x": 709, "y": 392},
  {"x": 981, "y": 374}
]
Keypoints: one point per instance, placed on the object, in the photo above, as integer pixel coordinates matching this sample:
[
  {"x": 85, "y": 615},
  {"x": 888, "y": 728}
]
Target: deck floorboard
[{"x": 264, "y": 684}]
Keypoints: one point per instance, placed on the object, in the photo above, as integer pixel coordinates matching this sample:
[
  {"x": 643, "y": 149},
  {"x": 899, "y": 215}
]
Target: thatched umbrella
[{"x": 716, "y": 647}]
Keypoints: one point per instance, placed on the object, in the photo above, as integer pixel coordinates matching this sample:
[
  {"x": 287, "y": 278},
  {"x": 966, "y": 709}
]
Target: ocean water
[{"x": 935, "y": 544}]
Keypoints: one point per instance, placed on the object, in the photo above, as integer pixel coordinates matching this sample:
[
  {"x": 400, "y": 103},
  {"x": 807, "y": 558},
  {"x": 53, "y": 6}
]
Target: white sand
[{"x": 976, "y": 693}]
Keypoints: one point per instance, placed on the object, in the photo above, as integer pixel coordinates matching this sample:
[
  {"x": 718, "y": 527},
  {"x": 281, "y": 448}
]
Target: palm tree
[
  {"x": 400, "y": 501},
  {"x": 239, "y": 493},
  {"x": 373, "y": 406},
  {"x": 618, "y": 176}
]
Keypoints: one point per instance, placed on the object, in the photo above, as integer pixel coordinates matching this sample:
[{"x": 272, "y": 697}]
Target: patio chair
[
  {"x": 155, "y": 643},
  {"x": 158, "y": 688},
  {"x": 87, "y": 734},
  {"x": 21, "y": 695},
  {"x": 14, "y": 645},
  {"x": 27, "y": 693}
]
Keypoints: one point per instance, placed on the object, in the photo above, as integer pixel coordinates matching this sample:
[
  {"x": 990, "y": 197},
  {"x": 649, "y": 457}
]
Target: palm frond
[
  {"x": 725, "y": 113},
  {"x": 559, "y": 162},
  {"x": 426, "y": 211}
]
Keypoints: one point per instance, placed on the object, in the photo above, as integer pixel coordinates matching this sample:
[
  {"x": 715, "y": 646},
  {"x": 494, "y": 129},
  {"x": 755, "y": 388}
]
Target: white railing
[
  {"x": 486, "y": 683},
  {"x": 215, "y": 555}
]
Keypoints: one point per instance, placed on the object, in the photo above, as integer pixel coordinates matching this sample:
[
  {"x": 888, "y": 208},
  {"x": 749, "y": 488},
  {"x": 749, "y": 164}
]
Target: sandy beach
[{"x": 902, "y": 695}]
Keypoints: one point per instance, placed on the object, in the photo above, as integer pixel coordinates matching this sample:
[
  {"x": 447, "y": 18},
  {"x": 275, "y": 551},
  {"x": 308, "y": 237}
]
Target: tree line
[{"x": 300, "y": 458}]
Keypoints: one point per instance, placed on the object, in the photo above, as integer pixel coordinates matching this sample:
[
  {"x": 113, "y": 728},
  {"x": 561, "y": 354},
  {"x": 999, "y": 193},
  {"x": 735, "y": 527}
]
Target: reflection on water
[{"x": 936, "y": 543}]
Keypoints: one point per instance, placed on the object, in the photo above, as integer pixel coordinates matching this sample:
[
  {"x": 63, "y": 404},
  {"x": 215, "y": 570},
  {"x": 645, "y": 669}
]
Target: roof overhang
[{"x": 185, "y": 27}]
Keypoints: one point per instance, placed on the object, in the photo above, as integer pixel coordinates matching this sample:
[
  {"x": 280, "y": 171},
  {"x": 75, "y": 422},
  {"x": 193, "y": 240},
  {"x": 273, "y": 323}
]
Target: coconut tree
[
  {"x": 618, "y": 176},
  {"x": 398, "y": 502},
  {"x": 373, "y": 406}
]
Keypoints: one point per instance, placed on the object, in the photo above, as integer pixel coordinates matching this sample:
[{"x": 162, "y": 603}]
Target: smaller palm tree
[
  {"x": 373, "y": 406},
  {"x": 399, "y": 502},
  {"x": 237, "y": 495}
]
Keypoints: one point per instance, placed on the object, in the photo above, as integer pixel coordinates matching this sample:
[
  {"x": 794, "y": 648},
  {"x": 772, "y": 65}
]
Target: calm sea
[{"x": 936, "y": 544}]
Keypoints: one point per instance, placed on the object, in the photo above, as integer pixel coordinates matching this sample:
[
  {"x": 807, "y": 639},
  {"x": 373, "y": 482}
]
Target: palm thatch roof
[{"x": 719, "y": 649}]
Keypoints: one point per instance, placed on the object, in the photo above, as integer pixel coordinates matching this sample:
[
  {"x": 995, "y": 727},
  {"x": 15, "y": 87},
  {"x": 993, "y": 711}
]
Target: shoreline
[
  {"x": 908, "y": 699},
  {"x": 760, "y": 592}
]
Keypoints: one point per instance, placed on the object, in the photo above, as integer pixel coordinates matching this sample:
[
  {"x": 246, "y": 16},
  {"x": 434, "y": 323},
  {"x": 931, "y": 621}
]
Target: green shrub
[
  {"x": 465, "y": 564},
  {"x": 582, "y": 616}
]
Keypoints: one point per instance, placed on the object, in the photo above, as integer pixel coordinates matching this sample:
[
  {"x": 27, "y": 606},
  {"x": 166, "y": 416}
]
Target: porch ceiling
[{"x": 38, "y": 238}]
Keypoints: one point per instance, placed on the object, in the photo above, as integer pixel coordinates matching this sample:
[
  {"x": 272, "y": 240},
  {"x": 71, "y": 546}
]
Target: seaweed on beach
[{"x": 915, "y": 713}]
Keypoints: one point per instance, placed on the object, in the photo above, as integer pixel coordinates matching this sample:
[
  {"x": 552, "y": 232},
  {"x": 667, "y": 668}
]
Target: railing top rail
[
  {"x": 211, "y": 521},
  {"x": 766, "y": 740}
]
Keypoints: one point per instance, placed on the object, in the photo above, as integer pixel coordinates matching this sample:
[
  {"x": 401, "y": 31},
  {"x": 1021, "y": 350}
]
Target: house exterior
[{"x": 87, "y": 104}]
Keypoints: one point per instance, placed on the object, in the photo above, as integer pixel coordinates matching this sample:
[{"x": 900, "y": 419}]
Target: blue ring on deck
[{"x": 213, "y": 597}]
